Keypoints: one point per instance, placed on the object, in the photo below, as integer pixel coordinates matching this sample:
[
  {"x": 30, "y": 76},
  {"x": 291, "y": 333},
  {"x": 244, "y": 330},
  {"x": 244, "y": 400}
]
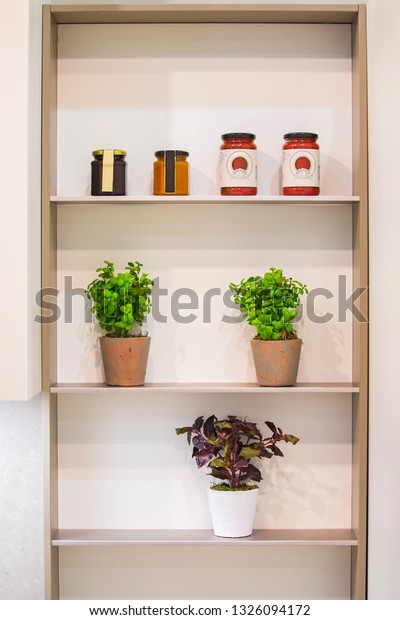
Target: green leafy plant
[
  {"x": 122, "y": 300},
  {"x": 227, "y": 446},
  {"x": 269, "y": 303}
]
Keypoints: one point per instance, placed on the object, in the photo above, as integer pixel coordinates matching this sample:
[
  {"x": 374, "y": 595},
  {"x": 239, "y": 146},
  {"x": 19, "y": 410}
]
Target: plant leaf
[
  {"x": 208, "y": 426},
  {"x": 249, "y": 453},
  {"x": 276, "y": 451},
  {"x": 198, "y": 423},
  {"x": 253, "y": 473},
  {"x": 202, "y": 457},
  {"x": 218, "y": 462},
  {"x": 271, "y": 426},
  {"x": 291, "y": 438},
  {"x": 182, "y": 430},
  {"x": 223, "y": 424},
  {"x": 241, "y": 464},
  {"x": 264, "y": 453},
  {"x": 220, "y": 472}
]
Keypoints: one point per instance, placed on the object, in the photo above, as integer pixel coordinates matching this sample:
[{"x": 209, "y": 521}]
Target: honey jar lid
[
  {"x": 116, "y": 152},
  {"x": 161, "y": 153}
]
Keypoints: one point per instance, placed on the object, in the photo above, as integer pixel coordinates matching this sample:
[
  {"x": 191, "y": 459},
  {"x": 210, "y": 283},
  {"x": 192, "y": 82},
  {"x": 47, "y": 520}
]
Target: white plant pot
[{"x": 232, "y": 512}]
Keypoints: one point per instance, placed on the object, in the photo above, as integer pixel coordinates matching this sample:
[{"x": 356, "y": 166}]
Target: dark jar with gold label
[
  {"x": 171, "y": 173},
  {"x": 109, "y": 173}
]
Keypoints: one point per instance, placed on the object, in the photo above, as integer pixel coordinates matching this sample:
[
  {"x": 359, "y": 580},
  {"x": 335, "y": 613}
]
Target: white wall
[
  {"x": 20, "y": 43},
  {"x": 384, "y": 105},
  {"x": 21, "y": 500},
  {"x": 21, "y": 492}
]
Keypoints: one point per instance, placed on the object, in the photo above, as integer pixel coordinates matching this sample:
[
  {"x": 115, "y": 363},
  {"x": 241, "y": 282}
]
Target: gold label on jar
[{"x": 107, "y": 179}]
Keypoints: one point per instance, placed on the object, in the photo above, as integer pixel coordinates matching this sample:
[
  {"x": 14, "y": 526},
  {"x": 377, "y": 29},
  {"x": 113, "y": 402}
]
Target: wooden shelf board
[
  {"x": 198, "y": 13},
  {"x": 87, "y": 538},
  {"x": 205, "y": 388},
  {"x": 204, "y": 200}
]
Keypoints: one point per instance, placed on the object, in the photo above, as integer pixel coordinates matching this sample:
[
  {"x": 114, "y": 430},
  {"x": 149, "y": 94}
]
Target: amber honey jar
[
  {"x": 171, "y": 173},
  {"x": 108, "y": 173}
]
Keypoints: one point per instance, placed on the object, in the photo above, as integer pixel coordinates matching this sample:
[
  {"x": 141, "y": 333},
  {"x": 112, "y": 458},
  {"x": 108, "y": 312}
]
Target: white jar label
[
  {"x": 238, "y": 168},
  {"x": 300, "y": 168}
]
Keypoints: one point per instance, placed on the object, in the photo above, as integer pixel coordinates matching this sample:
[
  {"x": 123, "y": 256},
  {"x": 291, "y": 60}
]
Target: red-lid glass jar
[
  {"x": 238, "y": 165},
  {"x": 300, "y": 164}
]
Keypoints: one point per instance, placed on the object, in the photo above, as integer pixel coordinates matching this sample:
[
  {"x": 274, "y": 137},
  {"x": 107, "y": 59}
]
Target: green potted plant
[
  {"x": 269, "y": 303},
  {"x": 227, "y": 446},
  {"x": 121, "y": 302}
]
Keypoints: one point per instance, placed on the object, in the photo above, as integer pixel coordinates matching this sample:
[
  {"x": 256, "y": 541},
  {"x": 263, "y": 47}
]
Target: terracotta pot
[
  {"x": 125, "y": 360},
  {"x": 276, "y": 361},
  {"x": 232, "y": 512}
]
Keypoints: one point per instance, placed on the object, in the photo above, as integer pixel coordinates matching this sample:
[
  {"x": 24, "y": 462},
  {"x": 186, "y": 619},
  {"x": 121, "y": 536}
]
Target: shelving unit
[
  {"x": 205, "y": 200},
  {"x": 324, "y": 236},
  {"x": 205, "y": 388},
  {"x": 87, "y": 538}
]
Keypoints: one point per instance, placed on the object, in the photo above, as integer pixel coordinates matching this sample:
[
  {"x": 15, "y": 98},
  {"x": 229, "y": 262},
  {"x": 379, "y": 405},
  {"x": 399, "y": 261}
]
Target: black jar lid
[
  {"x": 233, "y": 136},
  {"x": 299, "y": 135},
  {"x": 161, "y": 153}
]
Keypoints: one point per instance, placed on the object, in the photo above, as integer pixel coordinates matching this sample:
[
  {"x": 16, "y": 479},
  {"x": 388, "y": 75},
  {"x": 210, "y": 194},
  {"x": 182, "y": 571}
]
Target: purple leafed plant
[{"x": 227, "y": 447}]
